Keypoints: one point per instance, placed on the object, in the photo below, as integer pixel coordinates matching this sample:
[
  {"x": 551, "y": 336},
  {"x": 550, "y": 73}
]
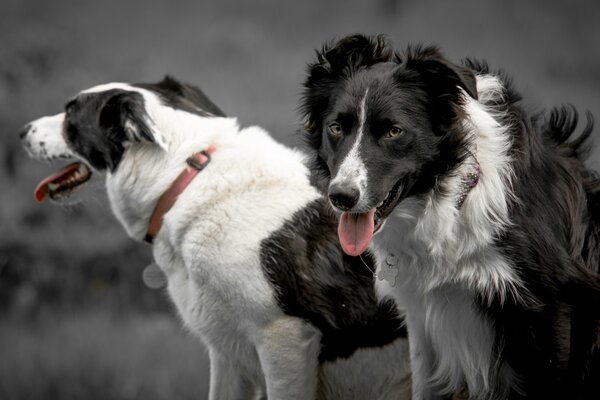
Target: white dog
[{"x": 246, "y": 242}]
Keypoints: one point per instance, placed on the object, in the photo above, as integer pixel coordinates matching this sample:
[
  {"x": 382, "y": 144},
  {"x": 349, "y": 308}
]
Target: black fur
[
  {"x": 95, "y": 125},
  {"x": 552, "y": 338},
  {"x": 553, "y": 341},
  {"x": 316, "y": 281},
  {"x": 183, "y": 97}
]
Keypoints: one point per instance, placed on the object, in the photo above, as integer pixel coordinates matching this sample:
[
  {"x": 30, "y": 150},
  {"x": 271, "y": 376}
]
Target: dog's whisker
[{"x": 365, "y": 264}]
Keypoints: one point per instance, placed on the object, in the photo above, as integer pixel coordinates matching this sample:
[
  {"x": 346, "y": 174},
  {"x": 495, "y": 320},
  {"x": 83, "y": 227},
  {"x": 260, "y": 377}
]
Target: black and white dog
[
  {"x": 484, "y": 220},
  {"x": 248, "y": 245}
]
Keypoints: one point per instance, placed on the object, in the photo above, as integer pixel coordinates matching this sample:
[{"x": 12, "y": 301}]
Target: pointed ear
[
  {"x": 351, "y": 53},
  {"x": 334, "y": 62},
  {"x": 125, "y": 114},
  {"x": 435, "y": 68},
  {"x": 445, "y": 83}
]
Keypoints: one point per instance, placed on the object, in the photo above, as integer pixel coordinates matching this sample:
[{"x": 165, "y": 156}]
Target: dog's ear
[
  {"x": 444, "y": 82},
  {"x": 125, "y": 114},
  {"x": 335, "y": 61},
  {"x": 350, "y": 54},
  {"x": 439, "y": 72}
]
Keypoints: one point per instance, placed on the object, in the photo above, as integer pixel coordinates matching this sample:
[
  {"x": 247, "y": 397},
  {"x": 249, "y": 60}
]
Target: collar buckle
[{"x": 198, "y": 161}]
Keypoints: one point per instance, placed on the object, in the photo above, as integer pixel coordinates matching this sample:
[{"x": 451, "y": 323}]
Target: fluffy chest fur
[
  {"x": 452, "y": 341},
  {"x": 448, "y": 263}
]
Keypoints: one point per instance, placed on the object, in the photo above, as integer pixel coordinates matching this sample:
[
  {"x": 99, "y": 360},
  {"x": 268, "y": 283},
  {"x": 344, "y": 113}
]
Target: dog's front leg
[
  {"x": 421, "y": 361},
  {"x": 288, "y": 349},
  {"x": 226, "y": 383}
]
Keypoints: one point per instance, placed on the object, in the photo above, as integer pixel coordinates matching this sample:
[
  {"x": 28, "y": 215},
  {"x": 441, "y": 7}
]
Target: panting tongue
[
  {"x": 355, "y": 232},
  {"x": 71, "y": 175}
]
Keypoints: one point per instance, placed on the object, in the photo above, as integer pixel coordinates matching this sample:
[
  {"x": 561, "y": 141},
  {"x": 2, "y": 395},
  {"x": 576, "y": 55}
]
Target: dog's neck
[
  {"x": 147, "y": 171},
  {"x": 195, "y": 163}
]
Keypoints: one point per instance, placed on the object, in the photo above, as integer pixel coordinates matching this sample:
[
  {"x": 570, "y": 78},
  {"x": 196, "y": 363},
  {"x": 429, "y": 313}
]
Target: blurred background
[{"x": 76, "y": 320}]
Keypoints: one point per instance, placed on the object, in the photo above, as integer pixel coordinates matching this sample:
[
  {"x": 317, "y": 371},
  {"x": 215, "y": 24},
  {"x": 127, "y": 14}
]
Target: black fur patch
[
  {"x": 95, "y": 125},
  {"x": 315, "y": 281},
  {"x": 183, "y": 96}
]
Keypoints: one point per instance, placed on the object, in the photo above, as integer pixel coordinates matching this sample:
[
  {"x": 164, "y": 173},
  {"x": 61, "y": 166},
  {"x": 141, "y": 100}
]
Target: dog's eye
[
  {"x": 69, "y": 105},
  {"x": 335, "y": 129},
  {"x": 393, "y": 132}
]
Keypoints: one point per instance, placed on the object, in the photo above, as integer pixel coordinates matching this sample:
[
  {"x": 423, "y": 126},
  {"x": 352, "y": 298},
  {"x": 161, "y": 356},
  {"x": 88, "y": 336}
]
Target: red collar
[{"x": 195, "y": 164}]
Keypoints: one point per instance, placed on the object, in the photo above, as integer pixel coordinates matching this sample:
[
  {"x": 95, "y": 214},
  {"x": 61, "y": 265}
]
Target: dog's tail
[{"x": 561, "y": 126}]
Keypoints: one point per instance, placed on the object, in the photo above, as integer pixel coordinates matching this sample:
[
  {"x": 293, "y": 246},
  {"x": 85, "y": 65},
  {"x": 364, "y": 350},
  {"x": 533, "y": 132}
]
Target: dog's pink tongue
[
  {"x": 355, "y": 232},
  {"x": 54, "y": 181}
]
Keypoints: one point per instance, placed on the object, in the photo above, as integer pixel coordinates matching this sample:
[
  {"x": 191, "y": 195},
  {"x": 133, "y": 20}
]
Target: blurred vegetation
[
  {"x": 96, "y": 355},
  {"x": 76, "y": 320}
]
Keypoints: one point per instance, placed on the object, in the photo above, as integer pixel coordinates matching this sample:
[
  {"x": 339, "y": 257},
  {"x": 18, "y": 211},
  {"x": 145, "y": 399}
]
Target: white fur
[
  {"x": 352, "y": 171},
  {"x": 448, "y": 257},
  {"x": 367, "y": 382},
  {"x": 209, "y": 247},
  {"x": 42, "y": 140}
]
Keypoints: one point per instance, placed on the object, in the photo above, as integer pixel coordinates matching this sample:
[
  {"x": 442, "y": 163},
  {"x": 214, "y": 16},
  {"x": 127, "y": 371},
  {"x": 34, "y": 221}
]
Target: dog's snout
[
  {"x": 343, "y": 197},
  {"x": 24, "y": 131}
]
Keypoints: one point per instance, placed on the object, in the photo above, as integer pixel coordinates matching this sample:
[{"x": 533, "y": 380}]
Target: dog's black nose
[
  {"x": 24, "y": 131},
  {"x": 343, "y": 197}
]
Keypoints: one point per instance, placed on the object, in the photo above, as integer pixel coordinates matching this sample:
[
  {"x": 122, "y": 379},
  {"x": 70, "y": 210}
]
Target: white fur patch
[
  {"x": 109, "y": 86},
  {"x": 45, "y": 139},
  {"x": 352, "y": 171},
  {"x": 460, "y": 241},
  {"x": 394, "y": 384}
]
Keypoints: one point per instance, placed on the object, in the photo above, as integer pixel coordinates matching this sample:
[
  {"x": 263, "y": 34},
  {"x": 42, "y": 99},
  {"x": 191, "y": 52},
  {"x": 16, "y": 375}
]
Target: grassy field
[
  {"x": 75, "y": 318},
  {"x": 96, "y": 355}
]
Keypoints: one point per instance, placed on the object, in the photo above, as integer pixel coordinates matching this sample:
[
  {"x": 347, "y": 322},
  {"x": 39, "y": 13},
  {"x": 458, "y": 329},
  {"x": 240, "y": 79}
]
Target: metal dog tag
[
  {"x": 154, "y": 277},
  {"x": 388, "y": 271}
]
